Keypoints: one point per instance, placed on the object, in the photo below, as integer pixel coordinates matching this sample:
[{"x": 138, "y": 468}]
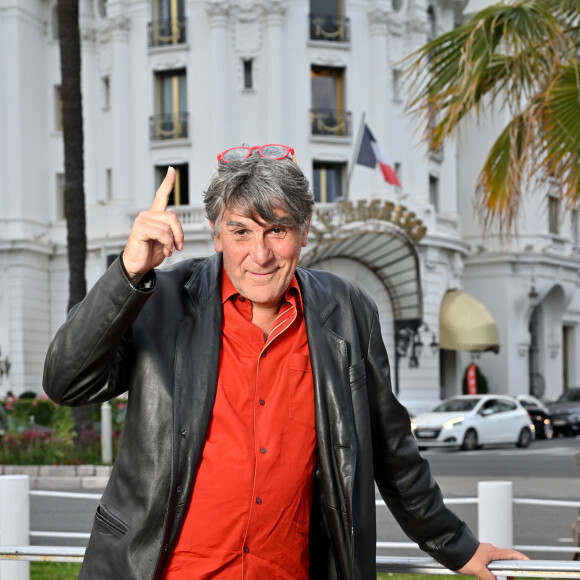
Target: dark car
[
  {"x": 566, "y": 413},
  {"x": 540, "y": 415}
]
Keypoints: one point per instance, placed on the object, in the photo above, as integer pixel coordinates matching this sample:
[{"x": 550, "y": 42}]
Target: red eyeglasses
[{"x": 272, "y": 151}]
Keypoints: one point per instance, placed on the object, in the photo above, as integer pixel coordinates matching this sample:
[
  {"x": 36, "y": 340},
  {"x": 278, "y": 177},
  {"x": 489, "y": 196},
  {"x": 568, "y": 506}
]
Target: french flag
[{"x": 369, "y": 154}]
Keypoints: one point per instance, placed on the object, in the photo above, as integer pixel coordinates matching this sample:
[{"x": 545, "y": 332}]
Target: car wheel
[
  {"x": 525, "y": 438},
  {"x": 548, "y": 431},
  {"x": 469, "y": 441}
]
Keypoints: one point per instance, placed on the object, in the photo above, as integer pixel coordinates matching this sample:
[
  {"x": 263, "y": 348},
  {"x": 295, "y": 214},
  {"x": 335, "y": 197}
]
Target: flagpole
[{"x": 356, "y": 148}]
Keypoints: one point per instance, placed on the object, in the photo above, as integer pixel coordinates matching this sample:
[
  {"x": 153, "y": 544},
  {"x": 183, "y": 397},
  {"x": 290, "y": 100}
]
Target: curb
[{"x": 62, "y": 477}]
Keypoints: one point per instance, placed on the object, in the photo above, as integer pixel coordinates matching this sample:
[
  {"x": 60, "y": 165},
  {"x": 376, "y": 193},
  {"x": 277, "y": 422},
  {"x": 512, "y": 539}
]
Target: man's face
[{"x": 260, "y": 258}]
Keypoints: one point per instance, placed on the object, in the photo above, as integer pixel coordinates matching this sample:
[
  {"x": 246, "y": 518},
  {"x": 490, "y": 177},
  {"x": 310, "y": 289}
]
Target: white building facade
[{"x": 174, "y": 82}]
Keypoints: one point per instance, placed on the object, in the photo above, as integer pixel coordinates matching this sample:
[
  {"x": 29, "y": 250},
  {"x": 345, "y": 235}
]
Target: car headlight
[
  {"x": 413, "y": 424},
  {"x": 453, "y": 423}
]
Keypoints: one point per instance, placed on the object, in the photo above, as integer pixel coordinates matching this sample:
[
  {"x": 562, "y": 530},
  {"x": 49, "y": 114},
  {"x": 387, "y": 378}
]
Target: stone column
[
  {"x": 380, "y": 74},
  {"x": 220, "y": 90},
  {"x": 121, "y": 103},
  {"x": 275, "y": 68}
]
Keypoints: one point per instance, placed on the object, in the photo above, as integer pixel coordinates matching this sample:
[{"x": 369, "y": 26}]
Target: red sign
[{"x": 471, "y": 380}]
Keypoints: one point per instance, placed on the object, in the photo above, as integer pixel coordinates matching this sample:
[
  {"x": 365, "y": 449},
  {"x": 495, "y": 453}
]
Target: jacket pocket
[
  {"x": 357, "y": 374},
  {"x": 111, "y": 522}
]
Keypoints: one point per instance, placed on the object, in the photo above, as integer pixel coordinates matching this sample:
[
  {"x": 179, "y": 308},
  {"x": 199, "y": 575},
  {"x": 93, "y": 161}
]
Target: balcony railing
[
  {"x": 167, "y": 31},
  {"x": 168, "y": 126},
  {"x": 330, "y": 27},
  {"x": 335, "y": 122}
]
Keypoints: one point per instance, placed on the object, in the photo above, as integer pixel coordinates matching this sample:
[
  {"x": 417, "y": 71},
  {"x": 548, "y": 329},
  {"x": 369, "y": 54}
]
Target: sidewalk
[{"x": 62, "y": 477}]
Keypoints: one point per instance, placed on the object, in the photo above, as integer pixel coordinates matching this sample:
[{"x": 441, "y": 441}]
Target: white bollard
[
  {"x": 106, "y": 433},
  {"x": 14, "y": 523},
  {"x": 495, "y": 513}
]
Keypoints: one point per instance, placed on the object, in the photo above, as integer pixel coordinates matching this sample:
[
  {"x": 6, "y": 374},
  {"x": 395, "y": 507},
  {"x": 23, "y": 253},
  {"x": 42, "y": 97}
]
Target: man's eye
[
  {"x": 278, "y": 232},
  {"x": 241, "y": 233}
]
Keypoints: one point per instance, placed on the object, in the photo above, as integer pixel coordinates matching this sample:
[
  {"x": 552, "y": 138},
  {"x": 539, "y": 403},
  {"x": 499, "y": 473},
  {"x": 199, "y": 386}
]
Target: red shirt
[{"x": 250, "y": 508}]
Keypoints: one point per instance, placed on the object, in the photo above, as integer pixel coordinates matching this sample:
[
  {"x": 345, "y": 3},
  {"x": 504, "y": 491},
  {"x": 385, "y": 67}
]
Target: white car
[{"x": 470, "y": 421}]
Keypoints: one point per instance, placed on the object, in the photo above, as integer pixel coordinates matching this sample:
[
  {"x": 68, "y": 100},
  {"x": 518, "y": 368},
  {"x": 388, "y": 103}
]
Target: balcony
[
  {"x": 168, "y": 126},
  {"x": 329, "y": 27},
  {"x": 330, "y": 122},
  {"x": 167, "y": 32}
]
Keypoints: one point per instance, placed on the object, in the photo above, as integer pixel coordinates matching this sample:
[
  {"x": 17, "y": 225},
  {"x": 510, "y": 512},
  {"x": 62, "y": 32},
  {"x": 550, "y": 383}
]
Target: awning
[
  {"x": 466, "y": 324},
  {"x": 390, "y": 254}
]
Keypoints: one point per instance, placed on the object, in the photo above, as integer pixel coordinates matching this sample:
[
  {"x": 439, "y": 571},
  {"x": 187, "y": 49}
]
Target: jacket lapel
[
  {"x": 196, "y": 364},
  {"x": 335, "y": 432}
]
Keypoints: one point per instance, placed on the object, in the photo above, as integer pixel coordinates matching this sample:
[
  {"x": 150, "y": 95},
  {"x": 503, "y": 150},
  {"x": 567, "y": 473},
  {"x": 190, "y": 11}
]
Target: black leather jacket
[{"x": 162, "y": 345}]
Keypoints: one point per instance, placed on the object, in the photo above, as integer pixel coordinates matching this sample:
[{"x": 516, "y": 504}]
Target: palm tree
[
  {"x": 74, "y": 194},
  {"x": 523, "y": 55}
]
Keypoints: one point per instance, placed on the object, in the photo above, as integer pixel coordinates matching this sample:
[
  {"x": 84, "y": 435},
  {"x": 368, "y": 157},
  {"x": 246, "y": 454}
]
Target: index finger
[{"x": 162, "y": 194}]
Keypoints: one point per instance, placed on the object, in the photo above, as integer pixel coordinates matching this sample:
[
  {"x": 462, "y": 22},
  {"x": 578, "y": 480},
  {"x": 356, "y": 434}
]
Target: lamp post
[{"x": 408, "y": 336}]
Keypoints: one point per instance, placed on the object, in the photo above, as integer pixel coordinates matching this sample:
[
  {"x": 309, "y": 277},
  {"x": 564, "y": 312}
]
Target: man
[{"x": 260, "y": 407}]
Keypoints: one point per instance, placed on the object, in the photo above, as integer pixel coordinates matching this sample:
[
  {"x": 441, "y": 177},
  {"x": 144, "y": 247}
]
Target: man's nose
[{"x": 261, "y": 252}]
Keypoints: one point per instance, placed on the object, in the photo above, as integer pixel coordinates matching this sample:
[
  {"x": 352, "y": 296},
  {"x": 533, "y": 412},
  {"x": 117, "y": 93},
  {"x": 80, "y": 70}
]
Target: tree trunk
[{"x": 74, "y": 194}]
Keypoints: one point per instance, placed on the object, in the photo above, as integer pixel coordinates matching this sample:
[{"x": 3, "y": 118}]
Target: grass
[
  {"x": 54, "y": 571},
  {"x": 66, "y": 571}
]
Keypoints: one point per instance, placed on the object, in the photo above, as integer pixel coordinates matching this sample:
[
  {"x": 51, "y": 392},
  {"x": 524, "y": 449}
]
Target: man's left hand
[{"x": 486, "y": 553}]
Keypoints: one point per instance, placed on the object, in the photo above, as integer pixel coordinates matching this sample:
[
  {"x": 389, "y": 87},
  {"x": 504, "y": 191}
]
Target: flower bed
[{"x": 40, "y": 432}]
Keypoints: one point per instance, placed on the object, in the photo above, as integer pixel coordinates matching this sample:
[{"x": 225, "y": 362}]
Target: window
[
  {"x": 109, "y": 184},
  {"x": 327, "y": 181},
  {"x": 180, "y": 193},
  {"x": 398, "y": 168},
  {"x": 397, "y": 84},
  {"x": 60, "y": 215},
  {"x": 553, "y": 214},
  {"x": 328, "y": 116},
  {"x": 170, "y": 122},
  {"x": 327, "y": 21},
  {"x": 432, "y": 26},
  {"x": 574, "y": 227},
  {"x": 169, "y": 25},
  {"x": 434, "y": 191},
  {"x": 58, "y": 108},
  {"x": 106, "y": 87},
  {"x": 55, "y": 31},
  {"x": 248, "y": 73}
]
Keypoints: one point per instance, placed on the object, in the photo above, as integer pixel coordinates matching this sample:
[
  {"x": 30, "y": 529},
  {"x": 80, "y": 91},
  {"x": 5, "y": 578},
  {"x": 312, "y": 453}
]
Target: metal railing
[
  {"x": 539, "y": 568},
  {"x": 335, "y": 122},
  {"x": 16, "y": 490},
  {"x": 167, "y": 32},
  {"x": 329, "y": 27},
  {"x": 168, "y": 126}
]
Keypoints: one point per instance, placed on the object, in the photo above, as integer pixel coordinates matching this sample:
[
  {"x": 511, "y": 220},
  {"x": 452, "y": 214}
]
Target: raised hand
[{"x": 155, "y": 235}]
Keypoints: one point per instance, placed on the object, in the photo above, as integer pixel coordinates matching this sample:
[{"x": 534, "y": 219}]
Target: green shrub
[{"x": 40, "y": 432}]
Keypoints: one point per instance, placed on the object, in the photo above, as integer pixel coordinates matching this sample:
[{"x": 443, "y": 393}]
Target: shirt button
[
  {"x": 262, "y": 450},
  {"x": 262, "y": 402},
  {"x": 242, "y": 299},
  {"x": 246, "y": 550},
  {"x": 259, "y": 500},
  {"x": 179, "y": 489},
  {"x": 183, "y": 431},
  {"x": 263, "y": 354}
]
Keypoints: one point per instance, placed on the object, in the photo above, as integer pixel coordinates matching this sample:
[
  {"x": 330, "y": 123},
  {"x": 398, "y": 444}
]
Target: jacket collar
[
  {"x": 205, "y": 281},
  {"x": 315, "y": 296}
]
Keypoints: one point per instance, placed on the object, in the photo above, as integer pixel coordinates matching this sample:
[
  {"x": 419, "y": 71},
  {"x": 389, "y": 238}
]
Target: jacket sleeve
[
  {"x": 90, "y": 357},
  {"x": 403, "y": 477}
]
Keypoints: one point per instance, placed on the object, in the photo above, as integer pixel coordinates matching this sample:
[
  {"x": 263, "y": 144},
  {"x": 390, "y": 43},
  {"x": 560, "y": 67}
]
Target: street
[{"x": 546, "y": 470}]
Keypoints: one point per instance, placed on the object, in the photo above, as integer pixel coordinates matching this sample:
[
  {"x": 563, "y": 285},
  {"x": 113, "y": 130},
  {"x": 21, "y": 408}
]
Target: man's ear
[{"x": 217, "y": 243}]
